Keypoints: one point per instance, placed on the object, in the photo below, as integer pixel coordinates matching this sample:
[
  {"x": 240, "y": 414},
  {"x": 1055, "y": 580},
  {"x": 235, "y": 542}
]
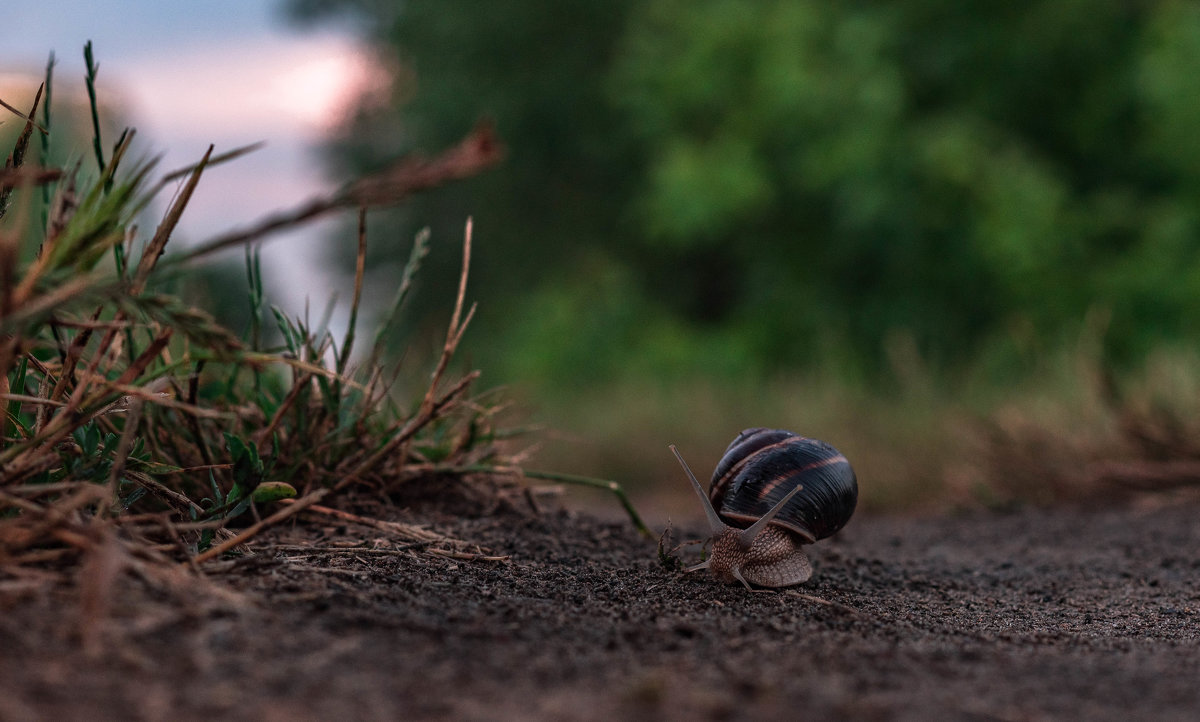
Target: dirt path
[{"x": 1035, "y": 615}]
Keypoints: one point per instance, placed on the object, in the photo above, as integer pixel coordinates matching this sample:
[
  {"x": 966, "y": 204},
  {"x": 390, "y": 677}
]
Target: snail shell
[{"x": 772, "y": 492}]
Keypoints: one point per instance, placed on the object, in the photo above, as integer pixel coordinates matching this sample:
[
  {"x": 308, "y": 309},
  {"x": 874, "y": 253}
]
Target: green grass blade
[
  {"x": 90, "y": 79},
  {"x": 419, "y": 251},
  {"x": 16, "y": 386},
  {"x": 45, "y": 137}
]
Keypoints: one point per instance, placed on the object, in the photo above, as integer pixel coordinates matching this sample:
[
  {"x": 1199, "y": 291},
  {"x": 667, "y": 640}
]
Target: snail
[{"x": 772, "y": 492}]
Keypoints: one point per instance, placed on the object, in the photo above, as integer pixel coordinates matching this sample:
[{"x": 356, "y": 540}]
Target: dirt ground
[{"x": 1035, "y": 614}]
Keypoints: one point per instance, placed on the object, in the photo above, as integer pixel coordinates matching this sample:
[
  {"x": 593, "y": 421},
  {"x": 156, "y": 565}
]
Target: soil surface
[{"x": 1036, "y": 614}]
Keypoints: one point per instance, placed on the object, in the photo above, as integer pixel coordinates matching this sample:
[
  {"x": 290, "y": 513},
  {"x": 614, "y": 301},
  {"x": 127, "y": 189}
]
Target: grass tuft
[{"x": 136, "y": 428}]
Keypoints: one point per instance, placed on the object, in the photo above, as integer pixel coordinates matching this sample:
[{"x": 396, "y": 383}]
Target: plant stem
[{"x": 606, "y": 484}]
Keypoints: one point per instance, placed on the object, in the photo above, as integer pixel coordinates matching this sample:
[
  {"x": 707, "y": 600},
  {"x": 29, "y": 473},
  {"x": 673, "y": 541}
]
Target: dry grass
[
  {"x": 1124, "y": 439},
  {"x": 138, "y": 434},
  {"x": 1075, "y": 432}
]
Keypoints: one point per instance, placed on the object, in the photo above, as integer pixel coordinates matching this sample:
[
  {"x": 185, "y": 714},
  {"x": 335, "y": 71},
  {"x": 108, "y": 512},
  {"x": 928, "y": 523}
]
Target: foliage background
[{"x": 865, "y": 221}]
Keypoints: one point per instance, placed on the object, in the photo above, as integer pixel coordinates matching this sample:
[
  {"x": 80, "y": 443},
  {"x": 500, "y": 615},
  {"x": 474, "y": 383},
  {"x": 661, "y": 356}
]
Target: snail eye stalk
[
  {"x": 746, "y": 538},
  {"x": 714, "y": 521}
]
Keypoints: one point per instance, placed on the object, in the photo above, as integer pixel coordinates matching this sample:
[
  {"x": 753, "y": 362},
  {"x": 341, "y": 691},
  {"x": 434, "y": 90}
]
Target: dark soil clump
[{"x": 1039, "y": 614}]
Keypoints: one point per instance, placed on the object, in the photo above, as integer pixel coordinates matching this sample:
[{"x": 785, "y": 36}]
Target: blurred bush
[
  {"x": 746, "y": 190},
  {"x": 798, "y": 180}
]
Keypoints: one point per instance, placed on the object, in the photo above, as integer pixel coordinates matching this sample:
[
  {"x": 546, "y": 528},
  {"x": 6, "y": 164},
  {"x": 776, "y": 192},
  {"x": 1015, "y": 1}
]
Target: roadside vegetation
[{"x": 138, "y": 429}]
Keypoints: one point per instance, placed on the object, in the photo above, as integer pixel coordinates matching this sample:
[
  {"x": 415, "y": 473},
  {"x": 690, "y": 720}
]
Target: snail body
[{"x": 773, "y": 492}]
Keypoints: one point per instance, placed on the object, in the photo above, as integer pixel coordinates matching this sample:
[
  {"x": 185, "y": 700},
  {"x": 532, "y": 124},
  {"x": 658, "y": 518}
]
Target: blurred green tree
[{"x": 753, "y": 186}]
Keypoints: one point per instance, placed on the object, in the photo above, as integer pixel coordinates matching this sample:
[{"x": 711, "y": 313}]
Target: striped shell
[{"x": 762, "y": 465}]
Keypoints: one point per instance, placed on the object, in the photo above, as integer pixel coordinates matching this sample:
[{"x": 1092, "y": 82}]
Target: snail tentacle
[
  {"x": 746, "y": 538},
  {"x": 714, "y": 520}
]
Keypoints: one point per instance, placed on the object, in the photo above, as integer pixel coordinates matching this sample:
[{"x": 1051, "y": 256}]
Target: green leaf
[
  {"x": 155, "y": 467},
  {"x": 240, "y": 508},
  {"x": 248, "y": 469},
  {"x": 91, "y": 439},
  {"x": 273, "y": 491},
  {"x": 133, "y": 496}
]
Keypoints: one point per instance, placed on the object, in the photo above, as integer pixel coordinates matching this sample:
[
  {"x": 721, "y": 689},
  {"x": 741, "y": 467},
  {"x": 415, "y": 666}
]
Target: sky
[{"x": 225, "y": 72}]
